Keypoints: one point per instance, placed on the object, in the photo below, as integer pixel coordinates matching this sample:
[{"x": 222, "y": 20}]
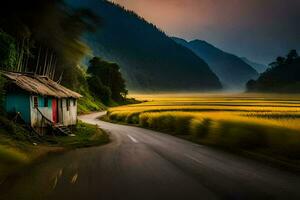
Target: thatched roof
[{"x": 39, "y": 85}]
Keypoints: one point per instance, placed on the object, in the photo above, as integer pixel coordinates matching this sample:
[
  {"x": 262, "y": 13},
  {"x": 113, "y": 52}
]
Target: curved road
[{"x": 144, "y": 164}]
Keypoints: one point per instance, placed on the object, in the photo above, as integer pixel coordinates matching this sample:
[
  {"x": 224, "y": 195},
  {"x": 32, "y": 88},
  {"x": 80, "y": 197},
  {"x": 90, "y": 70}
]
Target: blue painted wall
[
  {"x": 18, "y": 103},
  {"x": 41, "y": 101},
  {"x": 50, "y": 102}
]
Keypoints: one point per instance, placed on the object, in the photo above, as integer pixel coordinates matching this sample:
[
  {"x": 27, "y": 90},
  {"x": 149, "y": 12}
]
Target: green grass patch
[
  {"x": 11, "y": 155},
  {"x": 20, "y": 148},
  {"x": 11, "y": 159},
  {"x": 86, "y": 135},
  {"x": 88, "y": 104}
]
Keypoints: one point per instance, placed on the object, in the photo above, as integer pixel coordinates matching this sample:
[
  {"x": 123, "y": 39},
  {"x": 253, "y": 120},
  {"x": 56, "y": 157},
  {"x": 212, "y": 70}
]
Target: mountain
[
  {"x": 281, "y": 77},
  {"x": 149, "y": 59},
  {"x": 232, "y": 71},
  {"x": 257, "y": 66}
]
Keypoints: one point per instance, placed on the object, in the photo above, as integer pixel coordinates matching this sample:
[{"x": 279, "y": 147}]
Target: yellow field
[
  {"x": 245, "y": 121},
  {"x": 280, "y": 111}
]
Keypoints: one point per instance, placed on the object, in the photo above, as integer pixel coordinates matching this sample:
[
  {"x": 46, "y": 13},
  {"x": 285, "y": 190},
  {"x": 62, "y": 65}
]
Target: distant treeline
[{"x": 282, "y": 76}]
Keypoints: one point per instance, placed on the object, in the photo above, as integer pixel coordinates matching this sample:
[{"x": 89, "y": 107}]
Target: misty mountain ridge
[
  {"x": 231, "y": 70},
  {"x": 260, "y": 68},
  {"x": 149, "y": 59}
]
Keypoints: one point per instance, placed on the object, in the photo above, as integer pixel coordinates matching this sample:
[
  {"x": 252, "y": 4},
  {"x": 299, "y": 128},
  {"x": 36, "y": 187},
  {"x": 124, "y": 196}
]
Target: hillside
[
  {"x": 260, "y": 68},
  {"x": 282, "y": 77},
  {"x": 232, "y": 71},
  {"x": 149, "y": 59}
]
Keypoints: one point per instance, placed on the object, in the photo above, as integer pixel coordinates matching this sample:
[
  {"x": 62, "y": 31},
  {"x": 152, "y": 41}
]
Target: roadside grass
[
  {"x": 88, "y": 104},
  {"x": 263, "y": 126},
  {"x": 19, "y": 148},
  {"x": 11, "y": 159},
  {"x": 86, "y": 135}
]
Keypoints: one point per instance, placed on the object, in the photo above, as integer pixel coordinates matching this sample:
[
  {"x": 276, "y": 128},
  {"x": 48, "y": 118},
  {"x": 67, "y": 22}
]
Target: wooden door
[{"x": 54, "y": 110}]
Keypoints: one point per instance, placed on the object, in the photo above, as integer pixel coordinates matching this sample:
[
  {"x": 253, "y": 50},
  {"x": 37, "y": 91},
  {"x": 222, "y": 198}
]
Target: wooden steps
[{"x": 61, "y": 129}]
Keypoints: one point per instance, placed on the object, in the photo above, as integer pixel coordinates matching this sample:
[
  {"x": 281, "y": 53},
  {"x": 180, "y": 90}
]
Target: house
[{"x": 40, "y": 101}]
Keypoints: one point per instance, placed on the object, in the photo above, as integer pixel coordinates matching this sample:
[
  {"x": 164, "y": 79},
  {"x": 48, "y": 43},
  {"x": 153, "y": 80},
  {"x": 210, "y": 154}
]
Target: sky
[{"x": 260, "y": 30}]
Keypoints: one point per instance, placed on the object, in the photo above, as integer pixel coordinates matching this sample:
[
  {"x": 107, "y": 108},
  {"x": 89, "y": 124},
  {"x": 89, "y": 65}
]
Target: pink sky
[{"x": 258, "y": 29}]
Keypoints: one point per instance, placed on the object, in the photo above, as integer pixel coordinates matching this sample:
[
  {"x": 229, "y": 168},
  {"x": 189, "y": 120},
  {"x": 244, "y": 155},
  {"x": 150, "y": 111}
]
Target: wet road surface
[{"x": 144, "y": 164}]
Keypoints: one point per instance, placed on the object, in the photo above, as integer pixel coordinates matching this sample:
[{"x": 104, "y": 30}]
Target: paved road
[{"x": 144, "y": 164}]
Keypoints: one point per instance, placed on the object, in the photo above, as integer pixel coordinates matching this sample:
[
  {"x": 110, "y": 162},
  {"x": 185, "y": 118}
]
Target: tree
[
  {"x": 282, "y": 77},
  {"x": 280, "y": 60},
  {"x": 48, "y": 33},
  {"x": 99, "y": 90},
  {"x": 7, "y": 51},
  {"x": 251, "y": 85},
  {"x": 292, "y": 55},
  {"x": 110, "y": 76}
]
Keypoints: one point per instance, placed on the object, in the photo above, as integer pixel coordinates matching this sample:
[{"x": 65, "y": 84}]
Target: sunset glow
[{"x": 227, "y": 24}]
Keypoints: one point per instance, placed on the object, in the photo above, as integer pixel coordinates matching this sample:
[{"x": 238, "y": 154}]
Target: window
[
  {"x": 74, "y": 102},
  {"x": 46, "y": 102},
  {"x": 68, "y": 104},
  {"x": 35, "y": 102}
]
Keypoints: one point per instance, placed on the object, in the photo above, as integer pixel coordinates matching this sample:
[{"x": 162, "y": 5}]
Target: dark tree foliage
[
  {"x": 99, "y": 90},
  {"x": 280, "y": 60},
  {"x": 48, "y": 28},
  {"x": 110, "y": 76},
  {"x": 291, "y": 56},
  {"x": 7, "y": 51},
  {"x": 282, "y": 76},
  {"x": 251, "y": 85},
  {"x": 2, "y": 92}
]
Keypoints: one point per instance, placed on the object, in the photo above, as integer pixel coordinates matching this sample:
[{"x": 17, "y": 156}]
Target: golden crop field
[
  {"x": 280, "y": 111},
  {"x": 245, "y": 121}
]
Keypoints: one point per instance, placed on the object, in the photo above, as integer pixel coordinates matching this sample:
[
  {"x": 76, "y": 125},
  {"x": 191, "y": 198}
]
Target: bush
[
  {"x": 240, "y": 135},
  {"x": 200, "y": 128},
  {"x": 231, "y": 134},
  {"x": 132, "y": 118},
  {"x": 143, "y": 120},
  {"x": 166, "y": 122},
  {"x": 157, "y": 121},
  {"x": 182, "y": 125},
  {"x": 119, "y": 117},
  {"x": 13, "y": 130},
  {"x": 278, "y": 141}
]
